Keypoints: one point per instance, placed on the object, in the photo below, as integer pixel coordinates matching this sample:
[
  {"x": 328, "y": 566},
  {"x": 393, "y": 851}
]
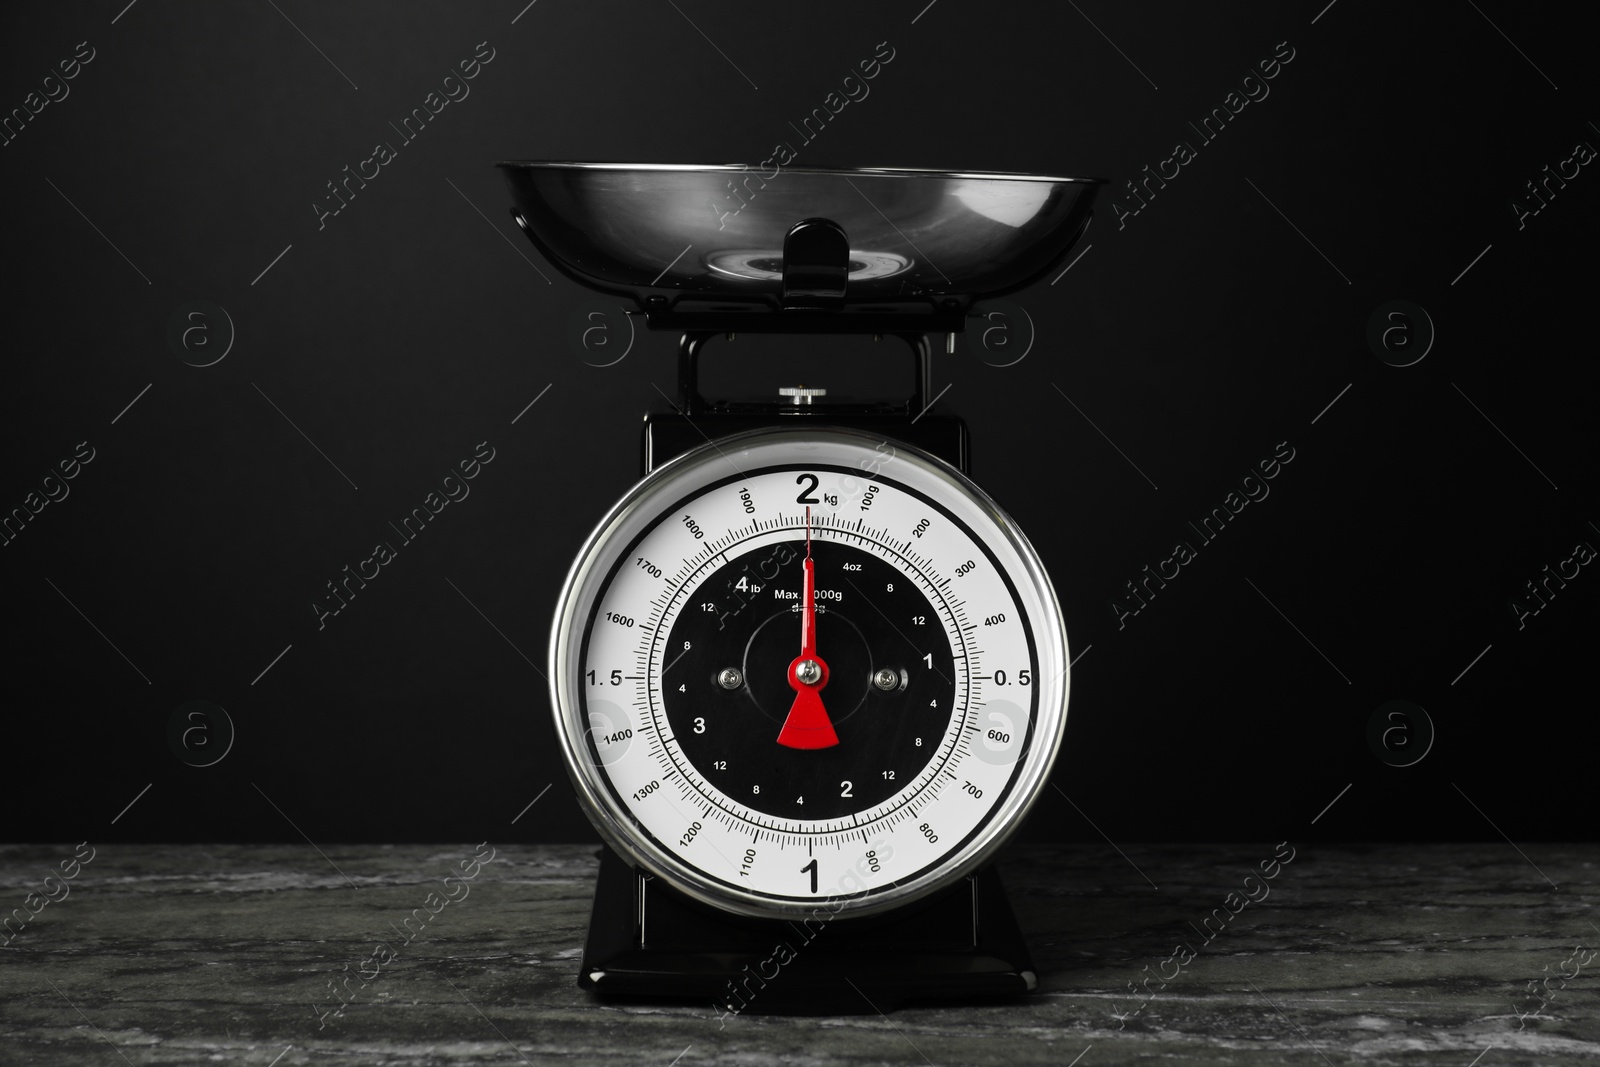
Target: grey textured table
[{"x": 1384, "y": 954}]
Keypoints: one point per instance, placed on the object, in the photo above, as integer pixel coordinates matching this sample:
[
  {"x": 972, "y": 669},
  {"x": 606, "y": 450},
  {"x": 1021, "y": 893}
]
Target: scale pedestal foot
[{"x": 647, "y": 941}]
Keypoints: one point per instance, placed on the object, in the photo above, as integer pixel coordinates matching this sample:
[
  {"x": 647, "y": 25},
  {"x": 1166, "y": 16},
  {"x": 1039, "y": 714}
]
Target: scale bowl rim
[{"x": 870, "y": 172}]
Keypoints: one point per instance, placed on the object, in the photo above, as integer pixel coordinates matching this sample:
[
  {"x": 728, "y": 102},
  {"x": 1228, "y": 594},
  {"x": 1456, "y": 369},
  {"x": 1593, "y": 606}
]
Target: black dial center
[
  {"x": 848, "y": 656},
  {"x": 890, "y": 692}
]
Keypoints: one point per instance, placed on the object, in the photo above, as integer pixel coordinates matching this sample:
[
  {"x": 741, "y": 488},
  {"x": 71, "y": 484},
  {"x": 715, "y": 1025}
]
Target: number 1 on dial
[{"x": 811, "y": 867}]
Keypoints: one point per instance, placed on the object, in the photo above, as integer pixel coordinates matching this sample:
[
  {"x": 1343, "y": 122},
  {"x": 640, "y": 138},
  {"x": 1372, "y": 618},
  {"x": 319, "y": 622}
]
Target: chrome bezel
[{"x": 642, "y": 506}]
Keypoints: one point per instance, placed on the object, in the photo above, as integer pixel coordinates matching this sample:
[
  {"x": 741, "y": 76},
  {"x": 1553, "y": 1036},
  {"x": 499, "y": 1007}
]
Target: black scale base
[{"x": 646, "y": 941}]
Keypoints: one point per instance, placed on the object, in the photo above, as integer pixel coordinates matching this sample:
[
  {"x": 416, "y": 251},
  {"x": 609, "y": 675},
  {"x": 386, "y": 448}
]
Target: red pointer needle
[{"x": 808, "y": 725}]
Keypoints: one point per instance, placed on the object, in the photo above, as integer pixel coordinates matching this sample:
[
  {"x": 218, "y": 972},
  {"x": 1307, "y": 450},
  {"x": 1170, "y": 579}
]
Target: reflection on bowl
[{"x": 767, "y": 265}]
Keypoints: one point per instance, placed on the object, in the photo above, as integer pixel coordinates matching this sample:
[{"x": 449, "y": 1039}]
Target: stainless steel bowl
[{"x": 665, "y": 234}]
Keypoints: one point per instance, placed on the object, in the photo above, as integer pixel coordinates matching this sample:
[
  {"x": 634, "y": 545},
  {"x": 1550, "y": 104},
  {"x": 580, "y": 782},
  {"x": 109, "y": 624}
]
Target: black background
[{"x": 412, "y": 327}]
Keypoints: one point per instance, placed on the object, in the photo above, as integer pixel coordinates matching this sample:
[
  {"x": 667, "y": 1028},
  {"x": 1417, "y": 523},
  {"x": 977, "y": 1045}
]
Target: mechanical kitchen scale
[{"x": 806, "y": 675}]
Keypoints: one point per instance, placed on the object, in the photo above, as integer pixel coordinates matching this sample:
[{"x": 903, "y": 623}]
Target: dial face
[{"x": 795, "y": 668}]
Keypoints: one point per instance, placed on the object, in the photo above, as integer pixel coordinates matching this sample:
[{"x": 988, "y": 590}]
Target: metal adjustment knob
[{"x": 799, "y": 394}]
